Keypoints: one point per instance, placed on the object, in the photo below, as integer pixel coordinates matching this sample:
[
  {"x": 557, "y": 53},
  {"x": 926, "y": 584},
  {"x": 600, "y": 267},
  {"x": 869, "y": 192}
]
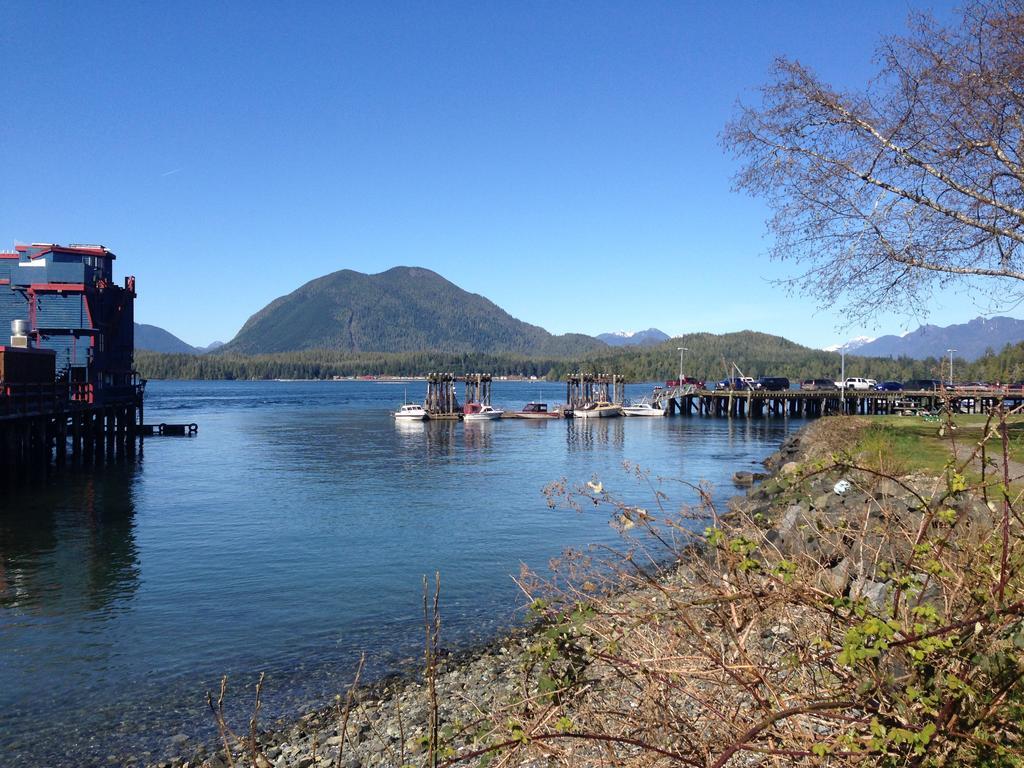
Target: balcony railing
[{"x": 42, "y": 399}]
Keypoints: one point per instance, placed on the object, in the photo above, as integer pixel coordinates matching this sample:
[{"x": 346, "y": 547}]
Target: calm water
[{"x": 289, "y": 536}]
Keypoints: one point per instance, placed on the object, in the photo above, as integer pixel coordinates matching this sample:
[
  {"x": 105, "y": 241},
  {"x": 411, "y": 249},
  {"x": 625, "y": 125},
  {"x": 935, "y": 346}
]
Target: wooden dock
[
  {"x": 44, "y": 424},
  {"x": 689, "y": 401}
]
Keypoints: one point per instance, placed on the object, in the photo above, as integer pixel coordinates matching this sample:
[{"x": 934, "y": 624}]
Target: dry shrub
[{"x": 880, "y": 626}]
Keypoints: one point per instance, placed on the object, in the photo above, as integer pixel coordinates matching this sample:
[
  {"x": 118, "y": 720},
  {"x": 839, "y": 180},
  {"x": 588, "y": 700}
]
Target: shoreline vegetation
[
  {"x": 708, "y": 356},
  {"x": 863, "y": 604}
]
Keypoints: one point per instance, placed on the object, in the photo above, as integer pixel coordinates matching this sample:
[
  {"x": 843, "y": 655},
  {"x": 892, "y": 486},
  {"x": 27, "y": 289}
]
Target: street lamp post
[
  {"x": 842, "y": 378},
  {"x": 951, "y": 351},
  {"x": 679, "y": 383}
]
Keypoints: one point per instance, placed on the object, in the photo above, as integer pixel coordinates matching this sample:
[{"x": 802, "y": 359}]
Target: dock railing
[
  {"x": 20, "y": 400},
  {"x": 32, "y": 399}
]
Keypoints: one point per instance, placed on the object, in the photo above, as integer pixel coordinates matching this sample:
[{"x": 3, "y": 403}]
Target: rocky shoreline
[{"x": 388, "y": 723}]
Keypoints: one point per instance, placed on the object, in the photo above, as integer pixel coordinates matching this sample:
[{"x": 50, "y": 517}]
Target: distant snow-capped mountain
[
  {"x": 630, "y": 338},
  {"x": 855, "y": 343},
  {"x": 968, "y": 340}
]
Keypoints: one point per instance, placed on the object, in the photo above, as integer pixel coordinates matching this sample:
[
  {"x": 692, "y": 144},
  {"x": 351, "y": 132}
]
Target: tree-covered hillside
[
  {"x": 402, "y": 310},
  {"x": 709, "y": 356}
]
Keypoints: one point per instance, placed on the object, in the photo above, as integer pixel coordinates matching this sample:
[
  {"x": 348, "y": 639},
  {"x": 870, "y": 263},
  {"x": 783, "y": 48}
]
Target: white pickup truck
[{"x": 855, "y": 382}]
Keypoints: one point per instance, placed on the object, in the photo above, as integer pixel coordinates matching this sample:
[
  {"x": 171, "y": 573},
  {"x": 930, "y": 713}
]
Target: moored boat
[
  {"x": 643, "y": 408},
  {"x": 537, "y": 411},
  {"x": 478, "y": 412},
  {"x": 599, "y": 410},
  {"x": 411, "y": 412}
]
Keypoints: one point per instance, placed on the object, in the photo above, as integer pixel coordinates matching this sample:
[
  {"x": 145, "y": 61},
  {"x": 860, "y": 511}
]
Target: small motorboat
[
  {"x": 643, "y": 408},
  {"x": 537, "y": 411},
  {"x": 478, "y": 412},
  {"x": 599, "y": 410},
  {"x": 411, "y": 412}
]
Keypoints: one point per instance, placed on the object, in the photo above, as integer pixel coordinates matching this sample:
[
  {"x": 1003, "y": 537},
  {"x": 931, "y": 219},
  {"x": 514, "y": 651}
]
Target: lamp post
[
  {"x": 842, "y": 379},
  {"x": 679, "y": 383},
  {"x": 951, "y": 351}
]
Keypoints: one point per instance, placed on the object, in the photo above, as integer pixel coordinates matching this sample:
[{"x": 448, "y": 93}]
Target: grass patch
[
  {"x": 902, "y": 448},
  {"x": 900, "y": 445}
]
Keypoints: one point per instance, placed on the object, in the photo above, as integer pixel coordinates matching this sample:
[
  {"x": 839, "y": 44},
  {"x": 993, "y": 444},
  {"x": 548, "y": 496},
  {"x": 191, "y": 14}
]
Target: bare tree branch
[{"x": 915, "y": 182}]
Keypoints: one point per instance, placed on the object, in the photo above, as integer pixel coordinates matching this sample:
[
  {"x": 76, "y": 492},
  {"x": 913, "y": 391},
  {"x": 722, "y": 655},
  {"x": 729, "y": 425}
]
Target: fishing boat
[
  {"x": 478, "y": 412},
  {"x": 599, "y": 410},
  {"x": 411, "y": 412},
  {"x": 537, "y": 411},
  {"x": 643, "y": 408}
]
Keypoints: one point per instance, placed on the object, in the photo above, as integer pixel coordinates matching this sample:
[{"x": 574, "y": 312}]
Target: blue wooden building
[{"x": 72, "y": 306}]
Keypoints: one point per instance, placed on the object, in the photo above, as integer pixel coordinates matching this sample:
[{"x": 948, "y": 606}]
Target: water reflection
[
  {"x": 69, "y": 546},
  {"x": 440, "y": 440},
  {"x": 591, "y": 434},
  {"x": 478, "y": 436}
]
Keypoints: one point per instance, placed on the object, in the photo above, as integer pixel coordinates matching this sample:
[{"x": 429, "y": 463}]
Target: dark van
[
  {"x": 773, "y": 383},
  {"x": 922, "y": 385}
]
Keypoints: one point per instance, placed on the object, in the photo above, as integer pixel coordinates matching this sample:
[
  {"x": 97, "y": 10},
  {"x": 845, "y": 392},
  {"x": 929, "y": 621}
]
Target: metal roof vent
[{"x": 20, "y": 334}]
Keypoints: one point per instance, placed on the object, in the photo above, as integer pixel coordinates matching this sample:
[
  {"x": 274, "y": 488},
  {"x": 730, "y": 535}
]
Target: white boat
[
  {"x": 598, "y": 410},
  {"x": 643, "y": 408},
  {"x": 411, "y": 412},
  {"x": 476, "y": 412}
]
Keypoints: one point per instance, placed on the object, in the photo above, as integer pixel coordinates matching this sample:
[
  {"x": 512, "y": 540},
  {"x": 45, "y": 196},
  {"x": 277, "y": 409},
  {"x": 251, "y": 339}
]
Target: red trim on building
[
  {"x": 4, "y": 281},
  {"x": 84, "y": 251},
  {"x": 58, "y": 287},
  {"x": 45, "y": 248},
  {"x": 6, "y": 255}
]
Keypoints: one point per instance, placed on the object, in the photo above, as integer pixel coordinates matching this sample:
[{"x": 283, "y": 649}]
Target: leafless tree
[{"x": 914, "y": 182}]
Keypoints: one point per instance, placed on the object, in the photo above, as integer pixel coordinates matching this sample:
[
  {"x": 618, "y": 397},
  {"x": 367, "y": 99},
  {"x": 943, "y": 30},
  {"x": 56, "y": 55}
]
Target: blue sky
[{"x": 560, "y": 158}]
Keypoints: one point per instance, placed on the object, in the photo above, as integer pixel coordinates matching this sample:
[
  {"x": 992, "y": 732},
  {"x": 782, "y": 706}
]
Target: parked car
[
  {"x": 772, "y": 383},
  {"x": 922, "y": 385},
  {"x": 856, "y": 382},
  {"x": 698, "y": 383},
  {"x": 818, "y": 385},
  {"x": 974, "y": 386},
  {"x": 735, "y": 383},
  {"x": 889, "y": 386}
]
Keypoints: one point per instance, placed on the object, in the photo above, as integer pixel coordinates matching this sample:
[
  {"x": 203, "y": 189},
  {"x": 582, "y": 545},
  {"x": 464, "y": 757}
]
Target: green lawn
[{"x": 903, "y": 444}]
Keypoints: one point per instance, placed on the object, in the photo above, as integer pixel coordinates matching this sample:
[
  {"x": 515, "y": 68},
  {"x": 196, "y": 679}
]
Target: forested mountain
[
  {"x": 156, "y": 339},
  {"x": 709, "y": 357},
  {"x": 405, "y": 309},
  {"x": 970, "y": 340},
  {"x": 152, "y": 338}
]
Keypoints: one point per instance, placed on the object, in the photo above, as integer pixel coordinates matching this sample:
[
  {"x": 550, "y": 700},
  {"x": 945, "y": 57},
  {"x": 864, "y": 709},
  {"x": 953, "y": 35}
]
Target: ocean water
[{"x": 290, "y": 536}]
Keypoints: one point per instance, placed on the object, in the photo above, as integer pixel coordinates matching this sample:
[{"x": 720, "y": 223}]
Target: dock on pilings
[
  {"x": 478, "y": 388},
  {"x": 585, "y": 388},
  {"x": 44, "y": 425},
  {"x": 441, "y": 401}
]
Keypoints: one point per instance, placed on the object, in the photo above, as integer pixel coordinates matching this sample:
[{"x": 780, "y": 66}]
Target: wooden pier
[
  {"x": 441, "y": 402},
  {"x": 805, "y": 403},
  {"x": 46, "y": 424},
  {"x": 586, "y": 388},
  {"x": 478, "y": 388}
]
